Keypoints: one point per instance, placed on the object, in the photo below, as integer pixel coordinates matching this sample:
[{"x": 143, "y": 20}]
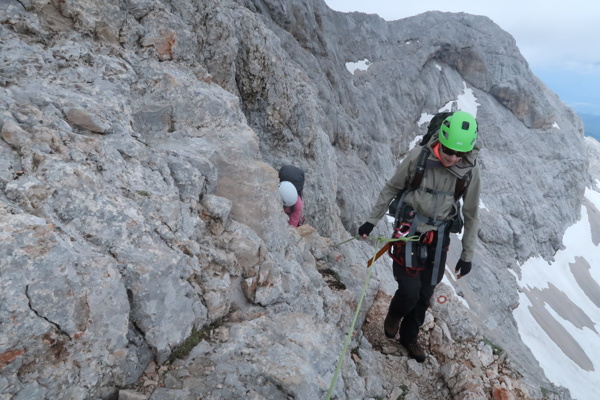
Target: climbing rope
[
  {"x": 346, "y": 241},
  {"x": 362, "y": 296}
]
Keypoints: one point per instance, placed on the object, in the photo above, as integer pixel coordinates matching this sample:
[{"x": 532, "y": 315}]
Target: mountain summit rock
[{"x": 144, "y": 251}]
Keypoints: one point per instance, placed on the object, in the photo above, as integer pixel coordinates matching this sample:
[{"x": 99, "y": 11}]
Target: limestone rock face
[{"x": 143, "y": 245}]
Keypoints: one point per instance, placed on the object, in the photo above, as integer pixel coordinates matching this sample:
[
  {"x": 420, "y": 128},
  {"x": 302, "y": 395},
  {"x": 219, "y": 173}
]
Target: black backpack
[
  {"x": 294, "y": 175},
  {"x": 434, "y": 126},
  {"x": 461, "y": 183}
]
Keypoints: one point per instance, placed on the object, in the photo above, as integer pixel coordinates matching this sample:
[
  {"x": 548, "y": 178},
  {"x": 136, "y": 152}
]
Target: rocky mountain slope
[{"x": 144, "y": 253}]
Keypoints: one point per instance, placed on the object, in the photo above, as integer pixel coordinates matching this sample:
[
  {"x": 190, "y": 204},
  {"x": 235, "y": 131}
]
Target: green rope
[
  {"x": 414, "y": 238},
  {"x": 362, "y": 296},
  {"x": 346, "y": 241},
  {"x": 349, "y": 335},
  {"x": 381, "y": 239}
]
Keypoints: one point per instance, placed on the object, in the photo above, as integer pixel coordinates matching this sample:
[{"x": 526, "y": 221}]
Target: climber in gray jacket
[{"x": 429, "y": 209}]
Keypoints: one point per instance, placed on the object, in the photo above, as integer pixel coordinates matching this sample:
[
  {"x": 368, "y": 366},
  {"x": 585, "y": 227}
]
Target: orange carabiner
[{"x": 427, "y": 237}]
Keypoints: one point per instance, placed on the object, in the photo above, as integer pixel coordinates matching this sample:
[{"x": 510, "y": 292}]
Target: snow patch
[
  {"x": 538, "y": 273},
  {"x": 361, "y": 65},
  {"x": 414, "y": 142},
  {"x": 466, "y": 101}
]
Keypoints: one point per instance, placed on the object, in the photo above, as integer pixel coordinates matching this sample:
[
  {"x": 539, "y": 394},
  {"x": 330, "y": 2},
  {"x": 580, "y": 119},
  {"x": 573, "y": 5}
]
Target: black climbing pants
[{"x": 411, "y": 300}]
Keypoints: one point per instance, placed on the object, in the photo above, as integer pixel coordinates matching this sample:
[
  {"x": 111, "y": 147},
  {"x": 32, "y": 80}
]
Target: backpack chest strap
[{"x": 440, "y": 192}]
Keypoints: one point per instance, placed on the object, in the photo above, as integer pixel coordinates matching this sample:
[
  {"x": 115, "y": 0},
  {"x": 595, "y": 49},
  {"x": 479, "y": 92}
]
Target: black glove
[
  {"x": 463, "y": 267},
  {"x": 365, "y": 229}
]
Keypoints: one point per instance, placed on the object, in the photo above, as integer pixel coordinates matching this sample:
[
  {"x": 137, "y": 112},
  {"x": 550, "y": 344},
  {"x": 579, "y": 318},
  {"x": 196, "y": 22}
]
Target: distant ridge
[{"x": 592, "y": 125}]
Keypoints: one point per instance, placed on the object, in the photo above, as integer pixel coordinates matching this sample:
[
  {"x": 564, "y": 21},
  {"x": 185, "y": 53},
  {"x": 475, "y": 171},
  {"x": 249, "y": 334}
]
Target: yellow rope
[
  {"x": 382, "y": 239},
  {"x": 362, "y": 296},
  {"x": 346, "y": 241}
]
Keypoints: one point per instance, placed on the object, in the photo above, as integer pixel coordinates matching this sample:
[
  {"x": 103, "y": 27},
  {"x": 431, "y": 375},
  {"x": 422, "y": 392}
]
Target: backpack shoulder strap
[
  {"x": 461, "y": 185},
  {"x": 420, "y": 169},
  {"x": 395, "y": 204}
]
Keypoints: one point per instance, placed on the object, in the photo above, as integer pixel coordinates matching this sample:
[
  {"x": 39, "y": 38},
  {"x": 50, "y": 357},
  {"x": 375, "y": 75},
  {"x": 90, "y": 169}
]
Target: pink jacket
[{"x": 294, "y": 212}]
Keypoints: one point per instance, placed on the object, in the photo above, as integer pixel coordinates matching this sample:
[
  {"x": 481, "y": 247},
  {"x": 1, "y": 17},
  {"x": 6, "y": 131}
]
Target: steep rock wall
[{"x": 139, "y": 199}]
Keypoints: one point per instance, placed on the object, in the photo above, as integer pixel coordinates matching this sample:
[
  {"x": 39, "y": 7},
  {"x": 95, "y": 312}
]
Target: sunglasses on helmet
[{"x": 450, "y": 152}]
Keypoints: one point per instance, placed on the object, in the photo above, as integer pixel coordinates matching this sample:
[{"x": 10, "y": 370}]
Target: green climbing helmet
[{"x": 459, "y": 132}]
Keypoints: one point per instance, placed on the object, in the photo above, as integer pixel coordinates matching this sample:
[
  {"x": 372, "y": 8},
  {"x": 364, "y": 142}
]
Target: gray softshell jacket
[{"x": 435, "y": 205}]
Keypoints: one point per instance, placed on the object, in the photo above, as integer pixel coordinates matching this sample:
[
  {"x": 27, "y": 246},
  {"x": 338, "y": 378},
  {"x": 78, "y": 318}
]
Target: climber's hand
[
  {"x": 463, "y": 268},
  {"x": 365, "y": 229}
]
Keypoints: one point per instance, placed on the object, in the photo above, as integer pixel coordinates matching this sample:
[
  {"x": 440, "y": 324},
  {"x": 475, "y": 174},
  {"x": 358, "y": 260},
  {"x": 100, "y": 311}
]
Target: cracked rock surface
[{"x": 143, "y": 248}]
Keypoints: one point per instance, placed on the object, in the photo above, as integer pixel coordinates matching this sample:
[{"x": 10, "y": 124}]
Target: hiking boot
[
  {"x": 390, "y": 326},
  {"x": 415, "y": 351}
]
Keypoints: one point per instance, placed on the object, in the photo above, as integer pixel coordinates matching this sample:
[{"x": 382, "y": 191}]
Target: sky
[
  {"x": 558, "y": 315},
  {"x": 558, "y": 39}
]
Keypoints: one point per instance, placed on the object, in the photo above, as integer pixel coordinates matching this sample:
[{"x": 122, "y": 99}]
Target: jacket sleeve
[
  {"x": 391, "y": 189},
  {"x": 471, "y": 216},
  {"x": 296, "y": 213}
]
